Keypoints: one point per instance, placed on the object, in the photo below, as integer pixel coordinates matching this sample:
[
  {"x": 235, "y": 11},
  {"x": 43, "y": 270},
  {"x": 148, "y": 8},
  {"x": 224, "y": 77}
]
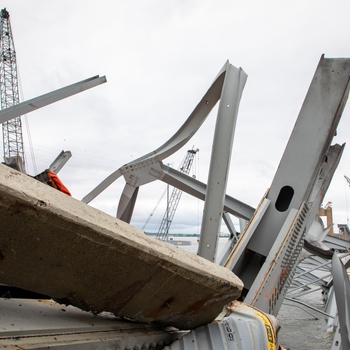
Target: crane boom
[
  {"x": 12, "y": 130},
  {"x": 174, "y": 199}
]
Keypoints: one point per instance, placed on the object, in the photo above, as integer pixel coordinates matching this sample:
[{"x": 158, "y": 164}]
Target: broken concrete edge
[{"x": 51, "y": 200}]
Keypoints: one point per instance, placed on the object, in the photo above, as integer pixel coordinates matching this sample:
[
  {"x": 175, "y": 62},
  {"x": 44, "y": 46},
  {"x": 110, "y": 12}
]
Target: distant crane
[
  {"x": 12, "y": 129},
  {"x": 173, "y": 200}
]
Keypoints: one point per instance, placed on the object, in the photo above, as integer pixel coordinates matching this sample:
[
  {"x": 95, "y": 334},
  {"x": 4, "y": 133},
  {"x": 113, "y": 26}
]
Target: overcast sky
[{"x": 159, "y": 58}]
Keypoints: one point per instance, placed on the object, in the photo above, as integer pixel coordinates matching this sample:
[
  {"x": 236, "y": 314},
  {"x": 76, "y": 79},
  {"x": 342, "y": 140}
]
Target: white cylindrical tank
[{"x": 242, "y": 328}]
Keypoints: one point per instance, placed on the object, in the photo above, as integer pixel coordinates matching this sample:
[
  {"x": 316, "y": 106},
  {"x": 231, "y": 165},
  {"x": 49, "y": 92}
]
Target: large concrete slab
[{"x": 56, "y": 245}]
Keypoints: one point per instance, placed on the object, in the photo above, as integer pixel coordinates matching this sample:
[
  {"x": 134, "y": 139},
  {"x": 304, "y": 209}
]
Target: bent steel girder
[
  {"x": 296, "y": 190},
  {"x": 198, "y": 190},
  {"x": 193, "y": 122},
  {"x": 149, "y": 167},
  {"x": 324, "y": 178},
  {"x": 304, "y": 281},
  {"x": 183, "y": 135},
  {"x": 127, "y": 202}
]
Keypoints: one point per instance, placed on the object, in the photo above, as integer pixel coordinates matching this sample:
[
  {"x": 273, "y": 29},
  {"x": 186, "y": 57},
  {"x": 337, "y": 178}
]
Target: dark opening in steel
[{"x": 284, "y": 198}]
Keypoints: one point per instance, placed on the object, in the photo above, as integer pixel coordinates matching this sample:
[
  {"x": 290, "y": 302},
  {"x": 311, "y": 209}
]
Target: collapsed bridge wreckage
[{"x": 49, "y": 238}]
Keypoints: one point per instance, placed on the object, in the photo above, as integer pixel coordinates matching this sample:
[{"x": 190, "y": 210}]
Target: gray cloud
[{"x": 160, "y": 58}]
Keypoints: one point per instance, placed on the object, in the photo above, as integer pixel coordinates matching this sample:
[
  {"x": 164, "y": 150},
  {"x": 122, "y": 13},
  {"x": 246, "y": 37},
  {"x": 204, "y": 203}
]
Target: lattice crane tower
[
  {"x": 12, "y": 129},
  {"x": 174, "y": 199}
]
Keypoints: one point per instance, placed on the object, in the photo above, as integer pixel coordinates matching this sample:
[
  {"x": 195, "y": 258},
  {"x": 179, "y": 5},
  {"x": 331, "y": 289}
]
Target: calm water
[{"x": 299, "y": 330}]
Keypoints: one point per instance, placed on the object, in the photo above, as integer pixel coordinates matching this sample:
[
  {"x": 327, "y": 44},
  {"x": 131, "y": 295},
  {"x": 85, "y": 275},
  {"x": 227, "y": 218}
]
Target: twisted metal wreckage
[{"x": 135, "y": 284}]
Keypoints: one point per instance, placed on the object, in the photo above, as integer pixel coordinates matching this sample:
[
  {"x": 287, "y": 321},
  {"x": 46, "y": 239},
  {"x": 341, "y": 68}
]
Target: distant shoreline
[{"x": 224, "y": 235}]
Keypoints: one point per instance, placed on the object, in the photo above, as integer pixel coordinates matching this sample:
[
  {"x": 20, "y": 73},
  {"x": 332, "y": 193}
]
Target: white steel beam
[
  {"x": 297, "y": 179},
  {"x": 198, "y": 190},
  {"x": 60, "y": 161},
  {"x": 231, "y": 94},
  {"x": 49, "y": 98},
  {"x": 149, "y": 167}
]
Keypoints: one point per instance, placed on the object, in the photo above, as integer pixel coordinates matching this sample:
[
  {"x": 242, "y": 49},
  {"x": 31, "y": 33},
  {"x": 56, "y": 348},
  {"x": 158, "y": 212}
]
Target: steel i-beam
[
  {"x": 234, "y": 83},
  {"x": 291, "y": 192},
  {"x": 49, "y": 98}
]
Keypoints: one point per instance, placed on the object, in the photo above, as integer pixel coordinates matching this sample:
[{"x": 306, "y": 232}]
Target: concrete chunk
[{"x": 56, "y": 245}]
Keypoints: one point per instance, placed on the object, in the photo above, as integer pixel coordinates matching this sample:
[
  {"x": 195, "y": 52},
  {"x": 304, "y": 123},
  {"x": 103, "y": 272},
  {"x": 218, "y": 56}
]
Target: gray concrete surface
[{"x": 56, "y": 245}]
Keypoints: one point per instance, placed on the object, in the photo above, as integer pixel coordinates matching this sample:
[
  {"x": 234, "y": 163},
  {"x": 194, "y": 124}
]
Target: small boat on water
[{"x": 179, "y": 242}]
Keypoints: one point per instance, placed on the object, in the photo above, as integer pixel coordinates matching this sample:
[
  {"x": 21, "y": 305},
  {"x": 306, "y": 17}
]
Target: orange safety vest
[{"x": 57, "y": 183}]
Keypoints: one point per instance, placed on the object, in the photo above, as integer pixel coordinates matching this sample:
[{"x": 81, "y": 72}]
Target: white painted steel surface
[
  {"x": 51, "y": 97},
  {"x": 303, "y": 173},
  {"x": 44, "y": 324},
  {"x": 245, "y": 328},
  {"x": 235, "y": 79}
]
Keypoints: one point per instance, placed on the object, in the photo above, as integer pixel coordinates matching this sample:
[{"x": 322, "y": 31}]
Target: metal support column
[{"x": 234, "y": 83}]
